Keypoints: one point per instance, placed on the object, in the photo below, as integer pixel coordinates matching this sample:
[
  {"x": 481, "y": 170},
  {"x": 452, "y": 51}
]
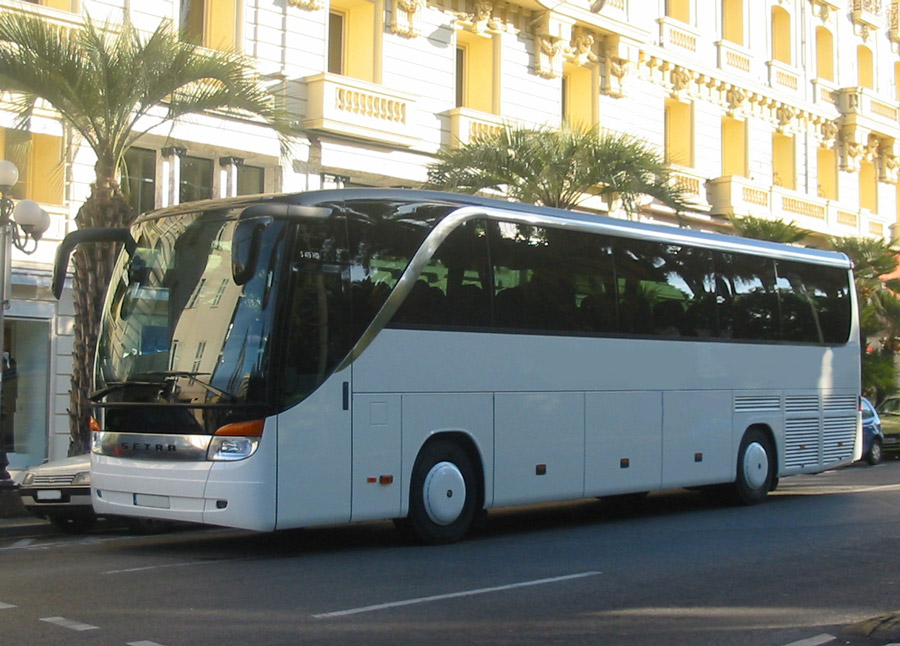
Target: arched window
[
  {"x": 781, "y": 35},
  {"x": 865, "y": 66},
  {"x": 824, "y": 54}
]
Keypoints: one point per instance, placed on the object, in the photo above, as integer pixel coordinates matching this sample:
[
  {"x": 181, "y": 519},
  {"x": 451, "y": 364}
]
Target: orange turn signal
[
  {"x": 253, "y": 428},
  {"x": 94, "y": 425}
]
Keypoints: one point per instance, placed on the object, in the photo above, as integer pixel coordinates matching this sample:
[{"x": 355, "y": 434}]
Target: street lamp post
[{"x": 21, "y": 225}]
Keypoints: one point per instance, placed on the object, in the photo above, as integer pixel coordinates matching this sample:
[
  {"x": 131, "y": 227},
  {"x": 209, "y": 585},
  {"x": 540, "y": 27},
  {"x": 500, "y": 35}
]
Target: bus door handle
[{"x": 346, "y": 395}]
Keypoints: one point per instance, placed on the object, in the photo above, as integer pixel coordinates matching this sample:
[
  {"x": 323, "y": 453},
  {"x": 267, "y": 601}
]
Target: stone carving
[
  {"x": 404, "y": 17},
  {"x": 309, "y": 5}
]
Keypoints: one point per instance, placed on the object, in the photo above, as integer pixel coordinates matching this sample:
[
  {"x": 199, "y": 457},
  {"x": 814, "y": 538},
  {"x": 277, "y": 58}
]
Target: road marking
[
  {"x": 452, "y": 595},
  {"x": 68, "y": 623},
  {"x": 143, "y": 643},
  {"x": 6, "y": 606},
  {"x": 824, "y": 638},
  {"x": 24, "y": 542},
  {"x": 160, "y": 567}
]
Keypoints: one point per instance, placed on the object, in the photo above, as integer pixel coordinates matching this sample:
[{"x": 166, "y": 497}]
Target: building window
[
  {"x": 733, "y": 21},
  {"x": 211, "y": 23},
  {"x": 196, "y": 179},
  {"x": 679, "y": 147},
  {"x": 579, "y": 109},
  {"x": 40, "y": 161},
  {"x": 865, "y": 67},
  {"x": 138, "y": 179},
  {"x": 250, "y": 180},
  {"x": 23, "y": 409},
  {"x": 351, "y": 39},
  {"x": 781, "y": 35},
  {"x": 824, "y": 54},
  {"x": 475, "y": 81},
  {"x": 783, "y": 161},
  {"x": 827, "y": 173},
  {"x": 868, "y": 186},
  {"x": 679, "y": 10},
  {"x": 734, "y": 147}
]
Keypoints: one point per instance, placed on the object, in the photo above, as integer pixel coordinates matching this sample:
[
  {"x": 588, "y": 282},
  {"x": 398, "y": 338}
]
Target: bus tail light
[{"x": 236, "y": 441}]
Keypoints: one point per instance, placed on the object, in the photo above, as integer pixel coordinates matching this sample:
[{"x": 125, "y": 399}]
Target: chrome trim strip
[{"x": 159, "y": 447}]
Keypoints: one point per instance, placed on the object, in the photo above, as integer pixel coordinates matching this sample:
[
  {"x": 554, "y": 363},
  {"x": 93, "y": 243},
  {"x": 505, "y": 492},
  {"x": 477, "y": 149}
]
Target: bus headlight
[
  {"x": 231, "y": 448},
  {"x": 235, "y": 441}
]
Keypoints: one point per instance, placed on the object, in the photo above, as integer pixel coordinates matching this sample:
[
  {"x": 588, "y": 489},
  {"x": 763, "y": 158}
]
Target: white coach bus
[{"x": 282, "y": 361}]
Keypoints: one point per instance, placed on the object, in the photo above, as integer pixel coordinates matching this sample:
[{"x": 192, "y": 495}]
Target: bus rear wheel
[
  {"x": 755, "y": 468},
  {"x": 442, "y": 495}
]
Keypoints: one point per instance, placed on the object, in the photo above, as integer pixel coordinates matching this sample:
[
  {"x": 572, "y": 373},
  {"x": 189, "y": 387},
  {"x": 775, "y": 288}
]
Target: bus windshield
[{"x": 179, "y": 329}]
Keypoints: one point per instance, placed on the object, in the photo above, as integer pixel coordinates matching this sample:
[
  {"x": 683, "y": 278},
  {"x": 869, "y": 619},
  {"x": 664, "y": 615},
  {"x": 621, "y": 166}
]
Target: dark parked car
[
  {"x": 889, "y": 412},
  {"x": 873, "y": 438}
]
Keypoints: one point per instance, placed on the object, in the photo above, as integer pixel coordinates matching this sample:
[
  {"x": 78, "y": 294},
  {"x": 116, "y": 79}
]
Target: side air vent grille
[
  {"x": 748, "y": 403},
  {"x": 801, "y": 404},
  {"x": 839, "y": 440},
  {"x": 801, "y": 442},
  {"x": 834, "y": 403}
]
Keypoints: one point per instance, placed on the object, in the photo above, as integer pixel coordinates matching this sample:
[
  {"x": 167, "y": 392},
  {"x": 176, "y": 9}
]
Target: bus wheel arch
[
  {"x": 446, "y": 489},
  {"x": 757, "y": 465}
]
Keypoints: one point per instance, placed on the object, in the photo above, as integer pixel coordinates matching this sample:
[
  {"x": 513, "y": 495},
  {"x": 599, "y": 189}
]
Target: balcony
[
  {"x": 674, "y": 34},
  {"x": 692, "y": 185},
  {"x": 467, "y": 125},
  {"x": 733, "y": 57},
  {"x": 739, "y": 196},
  {"x": 783, "y": 76},
  {"x": 860, "y": 106},
  {"x": 350, "y": 107}
]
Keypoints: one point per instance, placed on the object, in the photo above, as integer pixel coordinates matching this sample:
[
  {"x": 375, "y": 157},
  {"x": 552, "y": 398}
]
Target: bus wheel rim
[
  {"x": 756, "y": 465},
  {"x": 444, "y": 493}
]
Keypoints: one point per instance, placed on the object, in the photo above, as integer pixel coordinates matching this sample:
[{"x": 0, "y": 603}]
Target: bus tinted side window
[{"x": 748, "y": 305}]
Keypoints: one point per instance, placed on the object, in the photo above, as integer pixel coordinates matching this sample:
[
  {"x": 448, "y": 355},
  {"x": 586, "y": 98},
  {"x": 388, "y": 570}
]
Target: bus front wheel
[
  {"x": 442, "y": 494},
  {"x": 755, "y": 467}
]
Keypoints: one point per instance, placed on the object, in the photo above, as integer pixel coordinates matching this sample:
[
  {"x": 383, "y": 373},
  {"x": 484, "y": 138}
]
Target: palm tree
[
  {"x": 773, "y": 230},
  {"x": 557, "y": 167},
  {"x": 112, "y": 84}
]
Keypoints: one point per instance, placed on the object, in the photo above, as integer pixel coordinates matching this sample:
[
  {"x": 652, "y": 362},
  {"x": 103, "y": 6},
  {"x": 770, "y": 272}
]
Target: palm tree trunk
[{"x": 93, "y": 265}]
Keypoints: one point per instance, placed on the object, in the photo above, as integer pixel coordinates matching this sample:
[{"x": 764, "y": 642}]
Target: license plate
[
  {"x": 49, "y": 494},
  {"x": 146, "y": 500}
]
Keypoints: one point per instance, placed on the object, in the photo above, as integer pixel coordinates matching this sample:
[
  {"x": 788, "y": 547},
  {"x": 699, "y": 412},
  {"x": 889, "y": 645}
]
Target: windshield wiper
[{"x": 166, "y": 384}]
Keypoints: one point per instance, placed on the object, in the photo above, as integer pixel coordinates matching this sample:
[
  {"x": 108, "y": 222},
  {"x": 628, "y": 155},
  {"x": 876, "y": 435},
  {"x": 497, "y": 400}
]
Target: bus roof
[{"x": 537, "y": 215}]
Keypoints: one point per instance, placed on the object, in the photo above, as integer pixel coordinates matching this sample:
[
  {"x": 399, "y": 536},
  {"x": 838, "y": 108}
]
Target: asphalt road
[{"x": 819, "y": 556}]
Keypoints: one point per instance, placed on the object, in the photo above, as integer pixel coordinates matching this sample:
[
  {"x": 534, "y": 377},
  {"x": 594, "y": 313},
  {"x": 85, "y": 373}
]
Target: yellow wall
[
  {"x": 220, "y": 30},
  {"x": 783, "y": 160},
  {"x": 679, "y": 133},
  {"x": 781, "y": 35},
  {"x": 39, "y": 159},
  {"x": 868, "y": 187},
  {"x": 65, "y": 5},
  {"x": 865, "y": 66},
  {"x": 827, "y": 174},
  {"x": 733, "y": 21},
  {"x": 824, "y": 54},
  {"x": 579, "y": 97},
  {"x": 734, "y": 147},
  {"x": 679, "y": 10},
  {"x": 478, "y": 84}
]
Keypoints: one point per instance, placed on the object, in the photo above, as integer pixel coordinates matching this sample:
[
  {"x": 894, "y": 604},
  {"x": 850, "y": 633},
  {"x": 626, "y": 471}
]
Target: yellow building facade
[{"x": 776, "y": 108}]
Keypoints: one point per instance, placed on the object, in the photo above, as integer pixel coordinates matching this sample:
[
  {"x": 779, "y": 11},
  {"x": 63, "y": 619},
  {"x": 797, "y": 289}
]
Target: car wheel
[
  {"x": 73, "y": 524},
  {"x": 873, "y": 456},
  {"x": 755, "y": 468},
  {"x": 443, "y": 494}
]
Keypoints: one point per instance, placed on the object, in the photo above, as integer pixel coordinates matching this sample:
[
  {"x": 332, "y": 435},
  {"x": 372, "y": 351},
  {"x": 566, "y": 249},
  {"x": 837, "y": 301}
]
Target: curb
[
  {"x": 880, "y": 627},
  {"x": 25, "y": 526}
]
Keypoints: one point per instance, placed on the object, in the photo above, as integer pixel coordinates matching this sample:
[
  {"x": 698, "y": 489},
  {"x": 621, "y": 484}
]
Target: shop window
[
  {"x": 475, "y": 79},
  {"x": 196, "y": 179},
  {"x": 783, "y": 161},
  {"x": 40, "y": 161},
  {"x": 679, "y": 126},
  {"x": 865, "y": 67},
  {"x": 824, "y": 54},
  {"x": 781, "y": 35},
  {"x": 578, "y": 105},
  {"x": 211, "y": 23},
  {"x": 23, "y": 405},
  {"x": 733, "y": 21},
  {"x": 250, "y": 180},
  {"x": 138, "y": 179},
  {"x": 827, "y": 174},
  {"x": 351, "y": 39},
  {"x": 679, "y": 10},
  {"x": 868, "y": 186},
  {"x": 734, "y": 147}
]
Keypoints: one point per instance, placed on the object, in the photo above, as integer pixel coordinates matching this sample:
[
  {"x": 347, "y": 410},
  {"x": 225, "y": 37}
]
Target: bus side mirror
[
  {"x": 245, "y": 246},
  {"x": 72, "y": 240}
]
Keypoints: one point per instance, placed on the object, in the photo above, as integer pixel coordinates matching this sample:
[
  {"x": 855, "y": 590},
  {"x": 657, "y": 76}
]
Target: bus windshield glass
[{"x": 177, "y": 318}]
